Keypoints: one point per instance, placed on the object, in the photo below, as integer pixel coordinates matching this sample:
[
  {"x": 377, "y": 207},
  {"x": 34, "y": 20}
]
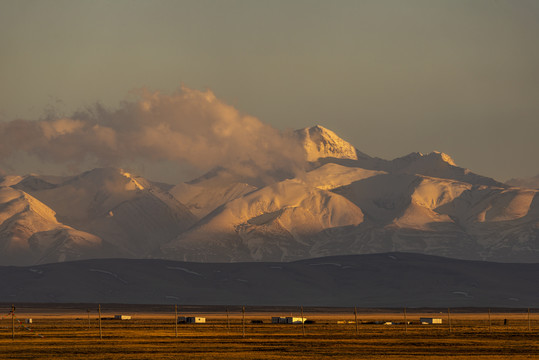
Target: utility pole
[
  {"x": 243, "y": 319},
  {"x": 88, "y": 311},
  {"x": 176, "y": 320},
  {"x": 227, "y": 322},
  {"x": 302, "y": 321},
  {"x": 489, "y": 322},
  {"x": 100, "y": 330},
  {"x": 12, "y": 322},
  {"x": 529, "y": 321},
  {"x": 355, "y": 317},
  {"x": 405, "y": 322},
  {"x": 449, "y": 319}
]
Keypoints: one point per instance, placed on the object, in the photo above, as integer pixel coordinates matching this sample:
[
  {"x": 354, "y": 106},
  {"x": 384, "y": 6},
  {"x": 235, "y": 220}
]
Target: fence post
[
  {"x": 529, "y": 321},
  {"x": 449, "y": 319},
  {"x": 227, "y": 322},
  {"x": 302, "y": 321},
  {"x": 100, "y": 330},
  {"x": 355, "y": 318},
  {"x": 12, "y": 322},
  {"x": 176, "y": 320},
  {"x": 405, "y": 322},
  {"x": 489, "y": 322},
  {"x": 243, "y": 319}
]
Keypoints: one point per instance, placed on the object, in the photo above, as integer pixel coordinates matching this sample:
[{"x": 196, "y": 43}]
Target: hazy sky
[{"x": 391, "y": 77}]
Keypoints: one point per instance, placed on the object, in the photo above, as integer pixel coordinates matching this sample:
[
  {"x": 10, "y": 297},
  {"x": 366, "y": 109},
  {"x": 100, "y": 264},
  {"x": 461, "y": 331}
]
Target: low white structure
[
  {"x": 287, "y": 320},
  {"x": 428, "y": 321},
  {"x": 191, "y": 320},
  {"x": 122, "y": 317},
  {"x": 28, "y": 321},
  {"x": 195, "y": 320}
]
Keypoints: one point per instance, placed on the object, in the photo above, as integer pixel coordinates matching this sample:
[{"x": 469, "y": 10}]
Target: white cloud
[{"x": 189, "y": 126}]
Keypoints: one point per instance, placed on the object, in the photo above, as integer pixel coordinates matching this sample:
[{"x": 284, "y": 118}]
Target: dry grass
[{"x": 151, "y": 336}]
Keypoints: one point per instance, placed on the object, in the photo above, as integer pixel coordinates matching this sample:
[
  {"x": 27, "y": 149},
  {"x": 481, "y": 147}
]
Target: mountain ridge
[{"x": 343, "y": 202}]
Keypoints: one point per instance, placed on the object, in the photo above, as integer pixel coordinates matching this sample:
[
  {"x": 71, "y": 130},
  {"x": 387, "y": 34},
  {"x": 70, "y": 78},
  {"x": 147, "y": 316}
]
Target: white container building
[
  {"x": 287, "y": 320},
  {"x": 122, "y": 317},
  {"x": 191, "y": 320}
]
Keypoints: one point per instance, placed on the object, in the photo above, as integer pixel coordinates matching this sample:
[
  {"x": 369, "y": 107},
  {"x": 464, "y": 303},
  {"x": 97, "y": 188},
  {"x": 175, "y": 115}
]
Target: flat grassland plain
[{"x": 64, "y": 332}]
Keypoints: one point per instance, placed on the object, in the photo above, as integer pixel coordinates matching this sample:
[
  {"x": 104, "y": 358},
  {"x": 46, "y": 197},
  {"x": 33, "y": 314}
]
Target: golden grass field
[{"x": 152, "y": 336}]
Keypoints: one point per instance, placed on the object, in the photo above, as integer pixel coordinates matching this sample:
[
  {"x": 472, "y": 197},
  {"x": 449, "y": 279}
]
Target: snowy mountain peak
[
  {"x": 112, "y": 179},
  {"x": 320, "y": 142},
  {"x": 435, "y": 156},
  {"x": 446, "y": 158}
]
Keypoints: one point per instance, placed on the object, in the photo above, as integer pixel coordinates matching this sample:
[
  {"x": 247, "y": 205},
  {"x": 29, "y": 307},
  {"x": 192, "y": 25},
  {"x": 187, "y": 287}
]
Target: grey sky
[{"x": 391, "y": 77}]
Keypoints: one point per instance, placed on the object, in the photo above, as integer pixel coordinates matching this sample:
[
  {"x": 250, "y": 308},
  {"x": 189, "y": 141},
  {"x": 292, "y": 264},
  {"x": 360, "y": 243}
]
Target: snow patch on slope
[
  {"x": 331, "y": 176},
  {"x": 203, "y": 198},
  {"x": 132, "y": 184},
  {"x": 270, "y": 222}
]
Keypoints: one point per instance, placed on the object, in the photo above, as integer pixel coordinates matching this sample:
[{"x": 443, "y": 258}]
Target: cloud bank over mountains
[{"x": 187, "y": 127}]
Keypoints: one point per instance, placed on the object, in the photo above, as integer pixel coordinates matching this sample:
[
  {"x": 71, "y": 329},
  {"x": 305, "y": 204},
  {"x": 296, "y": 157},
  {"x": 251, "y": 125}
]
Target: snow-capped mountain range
[{"x": 346, "y": 202}]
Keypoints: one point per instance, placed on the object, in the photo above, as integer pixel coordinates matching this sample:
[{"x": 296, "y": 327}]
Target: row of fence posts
[
  {"x": 12, "y": 313},
  {"x": 356, "y": 322},
  {"x": 448, "y": 320}
]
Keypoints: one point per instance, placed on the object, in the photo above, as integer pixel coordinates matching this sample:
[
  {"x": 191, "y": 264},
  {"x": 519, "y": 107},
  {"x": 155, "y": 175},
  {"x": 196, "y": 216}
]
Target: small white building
[
  {"x": 195, "y": 320},
  {"x": 122, "y": 317},
  {"x": 287, "y": 320},
  {"x": 28, "y": 321},
  {"x": 429, "y": 321},
  {"x": 191, "y": 320}
]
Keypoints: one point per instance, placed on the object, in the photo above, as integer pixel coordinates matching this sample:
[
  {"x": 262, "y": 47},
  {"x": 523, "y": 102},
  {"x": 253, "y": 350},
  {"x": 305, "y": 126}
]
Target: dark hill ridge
[{"x": 375, "y": 280}]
